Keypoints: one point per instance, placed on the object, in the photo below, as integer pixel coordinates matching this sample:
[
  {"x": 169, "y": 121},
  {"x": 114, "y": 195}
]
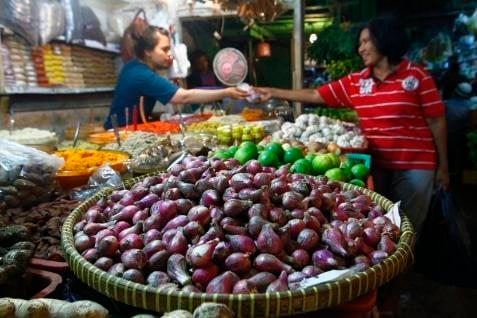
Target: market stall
[{"x": 263, "y": 212}]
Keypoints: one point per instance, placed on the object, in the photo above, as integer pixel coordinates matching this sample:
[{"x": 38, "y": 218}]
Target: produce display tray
[{"x": 244, "y": 305}]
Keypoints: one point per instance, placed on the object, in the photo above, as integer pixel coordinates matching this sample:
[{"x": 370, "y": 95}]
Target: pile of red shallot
[{"x": 218, "y": 227}]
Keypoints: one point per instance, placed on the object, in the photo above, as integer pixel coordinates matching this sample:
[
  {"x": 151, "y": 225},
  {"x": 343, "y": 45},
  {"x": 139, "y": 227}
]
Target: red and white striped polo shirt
[{"x": 392, "y": 113}]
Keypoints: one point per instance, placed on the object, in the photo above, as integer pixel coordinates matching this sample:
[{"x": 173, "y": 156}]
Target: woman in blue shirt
[{"x": 139, "y": 78}]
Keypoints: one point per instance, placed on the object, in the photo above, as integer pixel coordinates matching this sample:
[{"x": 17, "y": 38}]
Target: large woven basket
[{"x": 244, "y": 305}]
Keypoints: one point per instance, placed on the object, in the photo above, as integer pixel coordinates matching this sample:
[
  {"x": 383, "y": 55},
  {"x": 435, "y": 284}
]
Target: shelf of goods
[
  {"x": 55, "y": 68},
  {"x": 270, "y": 304}
]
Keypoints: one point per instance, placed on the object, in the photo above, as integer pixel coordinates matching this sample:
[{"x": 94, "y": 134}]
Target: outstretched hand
[
  {"x": 265, "y": 93},
  {"x": 235, "y": 93}
]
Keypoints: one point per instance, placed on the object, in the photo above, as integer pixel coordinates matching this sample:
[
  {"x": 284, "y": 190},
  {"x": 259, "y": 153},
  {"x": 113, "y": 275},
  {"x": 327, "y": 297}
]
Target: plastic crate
[{"x": 359, "y": 157}]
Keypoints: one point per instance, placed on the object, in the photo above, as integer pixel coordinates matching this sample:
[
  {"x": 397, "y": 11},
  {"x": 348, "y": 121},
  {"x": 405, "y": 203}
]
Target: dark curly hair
[
  {"x": 389, "y": 36},
  {"x": 148, "y": 40}
]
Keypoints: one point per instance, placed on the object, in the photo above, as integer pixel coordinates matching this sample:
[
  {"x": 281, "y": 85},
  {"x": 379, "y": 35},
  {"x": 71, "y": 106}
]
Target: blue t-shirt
[{"x": 135, "y": 80}]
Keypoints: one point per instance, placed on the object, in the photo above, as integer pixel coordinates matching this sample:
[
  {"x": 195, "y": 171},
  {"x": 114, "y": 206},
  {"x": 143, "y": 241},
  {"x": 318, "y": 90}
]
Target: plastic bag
[
  {"x": 180, "y": 64},
  {"x": 91, "y": 26},
  {"x": 73, "y": 24},
  {"x": 132, "y": 33},
  {"x": 443, "y": 251},
  {"x": 21, "y": 16},
  {"x": 51, "y": 20},
  {"x": 103, "y": 177},
  {"x": 27, "y": 175}
]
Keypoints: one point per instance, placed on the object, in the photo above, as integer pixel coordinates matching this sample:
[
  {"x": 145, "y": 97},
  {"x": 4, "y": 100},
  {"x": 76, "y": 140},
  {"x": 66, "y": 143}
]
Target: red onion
[
  {"x": 270, "y": 263},
  {"x": 222, "y": 251},
  {"x": 201, "y": 255},
  {"x": 136, "y": 228},
  {"x": 91, "y": 255},
  {"x": 178, "y": 244},
  {"x": 153, "y": 247},
  {"x": 254, "y": 167},
  {"x": 104, "y": 263},
  {"x": 238, "y": 263},
  {"x": 178, "y": 221},
  {"x": 147, "y": 201},
  {"x": 202, "y": 276},
  {"x": 184, "y": 205},
  {"x": 277, "y": 215},
  {"x": 308, "y": 239},
  {"x": 157, "y": 278},
  {"x": 83, "y": 242},
  {"x": 235, "y": 207},
  {"x": 279, "y": 285},
  {"x": 386, "y": 245},
  {"x": 158, "y": 261},
  {"x": 199, "y": 213},
  {"x": 126, "y": 214},
  {"x": 117, "y": 269},
  {"x": 243, "y": 286},
  {"x": 134, "y": 258},
  {"x": 222, "y": 284},
  {"x": 193, "y": 230},
  {"x": 108, "y": 246},
  {"x": 242, "y": 243},
  {"x": 295, "y": 226},
  {"x": 311, "y": 271},
  {"x": 301, "y": 258},
  {"x": 151, "y": 235},
  {"x": 268, "y": 241},
  {"x": 262, "y": 179},
  {"x": 258, "y": 209},
  {"x": 335, "y": 240},
  {"x": 371, "y": 237},
  {"x": 132, "y": 240},
  {"x": 133, "y": 275},
  {"x": 324, "y": 259}
]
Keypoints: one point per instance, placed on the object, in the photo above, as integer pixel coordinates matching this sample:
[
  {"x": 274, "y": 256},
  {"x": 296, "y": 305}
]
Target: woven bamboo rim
[{"x": 244, "y": 305}]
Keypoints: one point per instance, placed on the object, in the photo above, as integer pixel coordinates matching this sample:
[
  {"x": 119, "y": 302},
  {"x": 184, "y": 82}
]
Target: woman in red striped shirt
[{"x": 401, "y": 114}]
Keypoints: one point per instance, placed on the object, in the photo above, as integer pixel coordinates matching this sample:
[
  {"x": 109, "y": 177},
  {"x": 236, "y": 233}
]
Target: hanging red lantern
[{"x": 263, "y": 49}]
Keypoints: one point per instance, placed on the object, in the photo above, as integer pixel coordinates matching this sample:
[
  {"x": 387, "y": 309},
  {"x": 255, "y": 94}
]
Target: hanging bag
[
  {"x": 443, "y": 251},
  {"x": 134, "y": 30}
]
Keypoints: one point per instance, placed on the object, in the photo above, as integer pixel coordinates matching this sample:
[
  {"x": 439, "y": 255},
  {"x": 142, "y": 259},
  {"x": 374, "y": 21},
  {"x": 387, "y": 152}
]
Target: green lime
[
  {"x": 302, "y": 166},
  {"x": 245, "y": 154},
  {"x": 233, "y": 149},
  {"x": 292, "y": 155},
  {"x": 221, "y": 154},
  {"x": 359, "y": 183},
  {"x": 246, "y": 144},
  {"x": 310, "y": 156},
  {"x": 276, "y": 148},
  {"x": 260, "y": 148},
  {"x": 347, "y": 164},
  {"x": 347, "y": 173},
  {"x": 268, "y": 159},
  {"x": 321, "y": 163},
  {"x": 360, "y": 171},
  {"x": 335, "y": 159},
  {"x": 335, "y": 174}
]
